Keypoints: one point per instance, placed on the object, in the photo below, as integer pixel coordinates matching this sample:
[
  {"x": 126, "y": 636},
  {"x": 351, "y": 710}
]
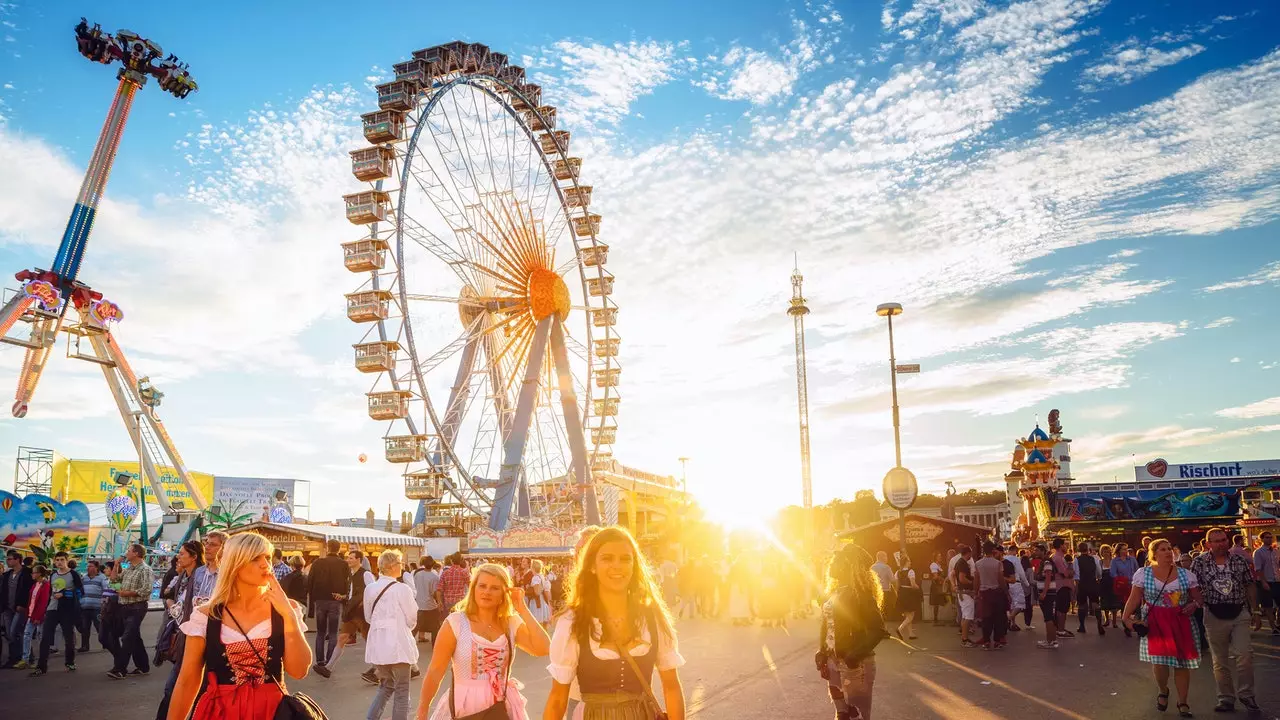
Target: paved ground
[{"x": 758, "y": 673}]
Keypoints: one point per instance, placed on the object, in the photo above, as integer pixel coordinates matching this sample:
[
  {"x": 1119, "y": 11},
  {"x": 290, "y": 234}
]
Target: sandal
[
  {"x": 1184, "y": 710},
  {"x": 1162, "y": 701}
]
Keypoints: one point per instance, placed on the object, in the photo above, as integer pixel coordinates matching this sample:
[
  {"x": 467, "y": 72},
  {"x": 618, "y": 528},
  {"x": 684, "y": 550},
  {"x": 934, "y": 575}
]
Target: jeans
[
  {"x": 131, "y": 645},
  {"x": 994, "y": 606},
  {"x": 68, "y": 619},
  {"x": 851, "y": 688},
  {"x": 163, "y": 711},
  {"x": 328, "y": 615},
  {"x": 30, "y": 635},
  {"x": 1229, "y": 640},
  {"x": 394, "y": 685},
  {"x": 14, "y": 622},
  {"x": 90, "y": 620}
]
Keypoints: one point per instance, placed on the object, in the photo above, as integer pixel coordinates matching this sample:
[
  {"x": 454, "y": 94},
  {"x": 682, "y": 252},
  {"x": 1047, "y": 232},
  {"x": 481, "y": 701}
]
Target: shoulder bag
[
  {"x": 498, "y": 710},
  {"x": 1140, "y": 628},
  {"x": 292, "y": 707},
  {"x": 650, "y": 699}
]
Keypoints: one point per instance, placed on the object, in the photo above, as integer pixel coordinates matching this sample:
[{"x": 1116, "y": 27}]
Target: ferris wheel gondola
[{"x": 491, "y": 326}]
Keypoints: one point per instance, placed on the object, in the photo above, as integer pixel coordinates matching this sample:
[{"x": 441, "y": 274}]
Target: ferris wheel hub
[{"x": 548, "y": 295}]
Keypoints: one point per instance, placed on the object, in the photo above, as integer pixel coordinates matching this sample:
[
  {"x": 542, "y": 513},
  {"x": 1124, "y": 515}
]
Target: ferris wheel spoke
[
  {"x": 572, "y": 416},
  {"x": 451, "y": 349}
]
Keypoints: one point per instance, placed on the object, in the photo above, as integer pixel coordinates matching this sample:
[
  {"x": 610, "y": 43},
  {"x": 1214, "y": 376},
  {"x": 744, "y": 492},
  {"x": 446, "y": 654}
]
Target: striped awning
[{"x": 358, "y": 535}]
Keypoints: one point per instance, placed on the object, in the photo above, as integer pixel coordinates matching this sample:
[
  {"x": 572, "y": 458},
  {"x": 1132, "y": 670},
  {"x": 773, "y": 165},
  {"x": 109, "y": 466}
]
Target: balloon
[
  {"x": 364, "y": 458},
  {"x": 6, "y": 503},
  {"x": 122, "y": 508}
]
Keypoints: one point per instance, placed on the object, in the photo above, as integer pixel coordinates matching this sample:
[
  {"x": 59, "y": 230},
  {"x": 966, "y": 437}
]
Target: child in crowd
[{"x": 37, "y": 605}]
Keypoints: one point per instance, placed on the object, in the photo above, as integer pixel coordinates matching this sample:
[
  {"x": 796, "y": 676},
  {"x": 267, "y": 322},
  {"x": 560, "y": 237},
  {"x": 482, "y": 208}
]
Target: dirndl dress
[{"x": 1172, "y": 638}]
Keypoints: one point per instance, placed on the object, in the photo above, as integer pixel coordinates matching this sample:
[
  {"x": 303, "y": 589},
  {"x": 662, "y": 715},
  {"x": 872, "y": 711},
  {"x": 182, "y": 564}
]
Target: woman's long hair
[
  {"x": 469, "y": 605},
  {"x": 851, "y": 568},
  {"x": 644, "y": 598},
  {"x": 239, "y": 551},
  {"x": 196, "y": 549}
]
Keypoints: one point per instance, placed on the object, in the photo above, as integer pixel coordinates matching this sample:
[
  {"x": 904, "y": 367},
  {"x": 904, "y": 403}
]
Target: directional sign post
[{"x": 907, "y": 368}]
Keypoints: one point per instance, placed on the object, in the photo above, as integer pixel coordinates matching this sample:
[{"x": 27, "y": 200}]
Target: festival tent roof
[{"x": 363, "y": 536}]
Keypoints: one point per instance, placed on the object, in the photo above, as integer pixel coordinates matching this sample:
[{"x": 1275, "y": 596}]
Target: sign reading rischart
[{"x": 1159, "y": 469}]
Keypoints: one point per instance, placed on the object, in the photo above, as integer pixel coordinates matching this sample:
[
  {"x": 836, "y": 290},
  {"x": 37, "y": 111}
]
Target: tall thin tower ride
[{"x": 797, "y": 311}]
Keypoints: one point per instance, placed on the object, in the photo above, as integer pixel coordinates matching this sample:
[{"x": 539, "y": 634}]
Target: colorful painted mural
[
  {"x": 43, "y": 526},
  {"x": 1148, "y": 505}
]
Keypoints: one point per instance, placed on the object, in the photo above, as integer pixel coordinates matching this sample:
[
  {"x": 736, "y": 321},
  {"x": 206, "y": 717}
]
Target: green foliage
[{"x": 227, "y": 519}]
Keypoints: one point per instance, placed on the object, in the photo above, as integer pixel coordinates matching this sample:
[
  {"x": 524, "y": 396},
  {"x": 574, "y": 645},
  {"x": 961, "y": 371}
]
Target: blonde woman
[
  {"x": 1170, "y": 596},
  {"x": 539, "y": 599},
  {"x": 614, "y": 607},
  {"x": 245, "y": 639},
  {"x": 480, "y": 639}
]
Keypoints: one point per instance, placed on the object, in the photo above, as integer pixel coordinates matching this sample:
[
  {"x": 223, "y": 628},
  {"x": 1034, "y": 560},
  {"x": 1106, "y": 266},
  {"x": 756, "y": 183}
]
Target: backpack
[{"x": 856, "y": 637}]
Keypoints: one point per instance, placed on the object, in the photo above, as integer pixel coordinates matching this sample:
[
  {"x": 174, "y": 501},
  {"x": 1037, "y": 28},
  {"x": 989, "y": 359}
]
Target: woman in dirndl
[
  {"x": 242, "y": 642},
  {"x": 615, "y": 630},
  {"x": 1170, "y": 596}
]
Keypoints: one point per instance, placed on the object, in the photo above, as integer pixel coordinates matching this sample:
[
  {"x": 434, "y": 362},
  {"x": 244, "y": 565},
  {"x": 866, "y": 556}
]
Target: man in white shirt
[
  {"x": 392, "y": 612},
  {"x": 426, "y": 584}
]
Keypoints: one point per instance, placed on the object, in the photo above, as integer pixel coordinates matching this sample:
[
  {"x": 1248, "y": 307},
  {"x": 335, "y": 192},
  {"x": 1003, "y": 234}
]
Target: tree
[
  {"x": 228, "y": 518},
  {"x": 864, "y": 510}
]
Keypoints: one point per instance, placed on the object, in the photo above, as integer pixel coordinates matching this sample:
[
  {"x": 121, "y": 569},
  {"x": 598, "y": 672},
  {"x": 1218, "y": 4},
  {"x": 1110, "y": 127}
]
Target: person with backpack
[
  {"x": 66, "y": 588},
  {"x": 851, "y": 628}
]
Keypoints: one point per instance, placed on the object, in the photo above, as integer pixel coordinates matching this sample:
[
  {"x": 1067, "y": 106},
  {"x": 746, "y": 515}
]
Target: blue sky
[{"x": 1075, "y": 201}]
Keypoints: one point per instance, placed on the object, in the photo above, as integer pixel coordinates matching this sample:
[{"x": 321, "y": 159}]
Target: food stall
[
  {"x": 311, "y": 540},
  {"x": 926, "y": 537}
]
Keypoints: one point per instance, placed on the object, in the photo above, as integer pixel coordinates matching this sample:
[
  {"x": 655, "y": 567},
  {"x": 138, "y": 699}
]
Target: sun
[{"x": 737, "y": 511}]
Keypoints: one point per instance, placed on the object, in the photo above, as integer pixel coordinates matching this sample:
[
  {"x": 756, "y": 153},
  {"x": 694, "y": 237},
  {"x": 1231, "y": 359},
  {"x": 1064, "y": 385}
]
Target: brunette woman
[
  {"x": 613, "y": 633},
  {"x": 1111, "y": 604},
  {"x": 908, "y": 599},
  {"x": 480, "y": 641},
  {"x": 1170, "y": 596},
  {"x": 242, "y": 641},
  {"x": 178, "y": 607}
]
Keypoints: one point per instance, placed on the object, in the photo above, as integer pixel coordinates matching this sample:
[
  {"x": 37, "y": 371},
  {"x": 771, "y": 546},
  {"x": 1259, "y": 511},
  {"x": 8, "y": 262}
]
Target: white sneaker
[{"x": 1046, "y": 645}]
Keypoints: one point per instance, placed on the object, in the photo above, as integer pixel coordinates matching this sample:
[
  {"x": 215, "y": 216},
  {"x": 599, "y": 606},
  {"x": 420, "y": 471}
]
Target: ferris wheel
[{"x": 488, "y": 307}]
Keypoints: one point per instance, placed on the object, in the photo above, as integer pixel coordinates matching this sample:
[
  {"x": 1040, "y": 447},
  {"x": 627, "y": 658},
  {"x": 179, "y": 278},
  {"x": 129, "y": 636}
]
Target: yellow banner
[{"x": 89, "y": 481}]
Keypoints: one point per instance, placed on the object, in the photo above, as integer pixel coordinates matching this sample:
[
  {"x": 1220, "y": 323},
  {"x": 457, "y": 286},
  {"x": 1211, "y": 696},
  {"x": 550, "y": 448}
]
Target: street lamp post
[{"x": 900, "y": 484}]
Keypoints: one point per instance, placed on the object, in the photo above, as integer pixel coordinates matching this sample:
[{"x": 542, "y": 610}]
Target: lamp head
[{"x": 888, "y": 309}]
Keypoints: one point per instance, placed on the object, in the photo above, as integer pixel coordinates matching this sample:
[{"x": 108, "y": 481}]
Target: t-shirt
[
  {"x": 14, "y": 577},
  {"x": 884, "y": 575},
  {"x": 990, "y": 573},
  {"x": 1264, "y": 564},
  {"x": 62, "y": 583},
  {"x": 94, "y": 588},
  {"x": 425, "y": 583},
  {"x": 964, "y": 578}
]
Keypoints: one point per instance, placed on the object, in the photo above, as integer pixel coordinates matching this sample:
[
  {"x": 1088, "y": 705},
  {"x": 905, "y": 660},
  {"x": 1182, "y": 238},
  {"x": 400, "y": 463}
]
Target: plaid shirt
[
  {"x": 453, "y": 585},
  {"x": 140, "y": 579},
  {"x": 1222, "y": 584},
  {"x": 281, "y": 569}
]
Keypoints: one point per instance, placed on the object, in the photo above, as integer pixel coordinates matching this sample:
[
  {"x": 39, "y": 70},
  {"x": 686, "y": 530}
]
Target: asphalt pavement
[{"x": 754, "y": 673}]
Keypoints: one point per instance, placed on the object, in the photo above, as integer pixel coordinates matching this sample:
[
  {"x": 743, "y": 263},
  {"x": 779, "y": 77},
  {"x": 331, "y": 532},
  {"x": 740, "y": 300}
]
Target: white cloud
[
  {"x": 1269, "y": 273},
  {"x": 1220, "y": 322},
  {"x": 1262, "y": 408},
  {"x": 1130, "y": 60},
  {"x": 762, "y": 77},
  {"x": 594, "y": 85},
  {"x": 1235, "y": 359}
]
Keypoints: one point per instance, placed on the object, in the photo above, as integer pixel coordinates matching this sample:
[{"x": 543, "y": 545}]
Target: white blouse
[
  {"x": 565, "y": 648},
  {"x": 390, "y": 639},
  {"x": 199, "y": 623}
]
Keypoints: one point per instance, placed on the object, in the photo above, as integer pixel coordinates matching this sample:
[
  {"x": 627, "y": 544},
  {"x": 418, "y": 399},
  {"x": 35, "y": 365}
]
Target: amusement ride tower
[
  {"x": 799, "y": 308},
  {"x": 47, "y": 295}
]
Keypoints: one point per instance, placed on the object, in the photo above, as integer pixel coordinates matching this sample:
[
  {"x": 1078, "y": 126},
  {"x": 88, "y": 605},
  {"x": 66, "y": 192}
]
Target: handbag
[
  {"x": 1141, "y": 629},
  {"x": 498, "y": 710},
  {"x": 650, "y": 700},
  {"x": 292, "y": 707}
]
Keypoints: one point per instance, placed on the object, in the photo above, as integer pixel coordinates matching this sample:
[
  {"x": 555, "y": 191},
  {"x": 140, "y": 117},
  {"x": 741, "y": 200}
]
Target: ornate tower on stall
[
  {"x": 1033, "y": 458},
  {"x": 799, "y": 308}
]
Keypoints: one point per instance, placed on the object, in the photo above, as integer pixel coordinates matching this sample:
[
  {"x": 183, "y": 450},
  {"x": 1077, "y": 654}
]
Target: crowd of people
[{"x": 236, "y": 614}]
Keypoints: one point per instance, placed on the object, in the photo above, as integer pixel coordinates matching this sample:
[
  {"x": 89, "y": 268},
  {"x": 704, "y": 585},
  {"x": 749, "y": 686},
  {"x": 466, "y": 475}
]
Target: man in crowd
[
  {"x": 1047, "y": 582},
  {"x": 454, "y": 581},
  {"x": 1142, "y": 552},
  {"x": 993, "y": 597},
  {"x": 962, "y": 581},
  {"x": 15, "y": 589},
  {"x": 1266, "y": 568},
  {"x": 95, "y": 584},
  {"x": 205, "y": 578},
  {"x": 1020, "y": 586},
  {"x": 135, "y": 591},
  {"x": 1066, "y": 586},
  {"x": 279, "y": 566},
  {"x": 426, "y": 585},
  {"x": 1088, "y": 572},
  {"x": 1227, "y": 587},
  {"x": 65, "y": 588},
  {"x": 330, "y": 583},
  {"x": 884, "y": 574}
]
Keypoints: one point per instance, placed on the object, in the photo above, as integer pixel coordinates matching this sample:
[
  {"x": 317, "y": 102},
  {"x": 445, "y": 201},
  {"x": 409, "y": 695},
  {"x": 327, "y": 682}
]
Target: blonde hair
[
  {"x": 536, "y": 564},
  {"x": 469, "y": 605},
  {"x": 1104, "y": 551},
  {"x": 1151, "y": 550},
  {"x": 389, "y": 558},
  {"x": 239, "y": 550}
]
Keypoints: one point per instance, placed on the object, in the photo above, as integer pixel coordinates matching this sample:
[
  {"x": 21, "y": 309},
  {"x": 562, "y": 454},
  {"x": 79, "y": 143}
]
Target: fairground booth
[
  {"x": 1174, "y": 501},
  {"x": 311, "y": 540},
  {"x": 926, "y": 537},
  {"x": 533, "y": 541}
]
